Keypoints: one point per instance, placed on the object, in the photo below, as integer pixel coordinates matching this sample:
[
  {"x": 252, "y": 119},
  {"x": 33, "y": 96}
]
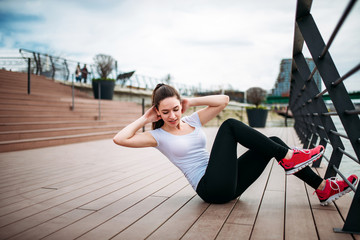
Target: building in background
[{"x": 282, "y": 84}]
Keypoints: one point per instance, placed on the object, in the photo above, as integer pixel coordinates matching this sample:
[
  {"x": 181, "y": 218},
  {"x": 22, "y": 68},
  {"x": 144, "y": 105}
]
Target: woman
[
  {"x": 220, "y": 176},
  {"x": 78, "y": 73}
]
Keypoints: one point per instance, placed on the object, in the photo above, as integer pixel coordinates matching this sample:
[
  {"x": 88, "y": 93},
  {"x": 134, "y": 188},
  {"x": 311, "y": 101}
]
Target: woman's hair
[{"x": 161, "y": 92}]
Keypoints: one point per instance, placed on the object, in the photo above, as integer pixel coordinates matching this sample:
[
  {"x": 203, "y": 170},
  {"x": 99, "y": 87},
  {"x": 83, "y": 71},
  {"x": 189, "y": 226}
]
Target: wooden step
[
  {"x": 48, "y": 92},
  {"x": 64, "y": 111},
  {"x": 16, "y": 145},
  {"x": 45, "y": 118},
  {"x": 79, "y": 103},
  {"x": 55, "y": 124},
  {"x": 55, "y": 132}
]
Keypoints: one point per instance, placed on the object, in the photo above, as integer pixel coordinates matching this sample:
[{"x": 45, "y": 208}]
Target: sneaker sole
[
  {"x": 335, "y": 197},
  {"x": 338, "y": 195},
  {"x": 300, "y": 166}
]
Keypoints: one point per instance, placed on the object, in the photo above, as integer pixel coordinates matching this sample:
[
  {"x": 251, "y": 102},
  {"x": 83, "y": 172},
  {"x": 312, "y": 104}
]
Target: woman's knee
[
  {"x": 279, "y": 141},
  {"x": 226, "y": 124},
  {"x": 231, "y": 122},
  {"x": 275, "y": 139}
]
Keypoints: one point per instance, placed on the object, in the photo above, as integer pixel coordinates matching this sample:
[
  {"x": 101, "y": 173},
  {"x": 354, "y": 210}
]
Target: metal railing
[
  {"x": 54, "y": 67},
  {"x": 313, "y": 122},
  {"x": 62, "y": 69}
]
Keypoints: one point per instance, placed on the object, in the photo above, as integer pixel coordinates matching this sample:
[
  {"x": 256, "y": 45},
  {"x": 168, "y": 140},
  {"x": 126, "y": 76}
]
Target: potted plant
[
  {"x": 256, "y": 115},
  {"x": 104, "y": 66}
]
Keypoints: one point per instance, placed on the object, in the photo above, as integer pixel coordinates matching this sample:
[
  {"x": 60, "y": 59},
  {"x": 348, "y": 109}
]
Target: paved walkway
[{"x": 97, "y": 190}]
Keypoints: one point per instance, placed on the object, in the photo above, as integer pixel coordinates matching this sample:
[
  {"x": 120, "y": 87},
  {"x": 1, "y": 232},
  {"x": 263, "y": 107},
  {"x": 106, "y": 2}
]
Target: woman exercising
[{"x": 220, "y": 176}]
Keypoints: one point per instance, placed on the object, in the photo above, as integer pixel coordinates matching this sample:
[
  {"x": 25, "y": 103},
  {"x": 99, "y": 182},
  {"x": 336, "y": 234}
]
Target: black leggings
[{"x": 227, "y": 176}]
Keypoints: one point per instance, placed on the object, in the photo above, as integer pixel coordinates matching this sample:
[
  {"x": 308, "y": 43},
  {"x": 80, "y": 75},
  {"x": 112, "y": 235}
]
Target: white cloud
[{"x": 240, "y": 43}]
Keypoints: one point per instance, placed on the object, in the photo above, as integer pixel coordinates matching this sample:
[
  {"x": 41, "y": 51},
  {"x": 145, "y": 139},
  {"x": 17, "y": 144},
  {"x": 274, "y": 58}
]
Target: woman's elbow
[
  {"x": 226, "y": 100},
  {"x": 118, "y": 141},
  {"x": 115, "y": 141}
]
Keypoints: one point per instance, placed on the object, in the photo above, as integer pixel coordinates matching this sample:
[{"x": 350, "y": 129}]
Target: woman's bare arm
[
  {"x": 215, "y": 104},
  {"x": 129, "y": 136}
]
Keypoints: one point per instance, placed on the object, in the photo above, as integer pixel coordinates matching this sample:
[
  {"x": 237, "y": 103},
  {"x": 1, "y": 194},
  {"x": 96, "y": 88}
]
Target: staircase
[{"x": 44, "y": 118}]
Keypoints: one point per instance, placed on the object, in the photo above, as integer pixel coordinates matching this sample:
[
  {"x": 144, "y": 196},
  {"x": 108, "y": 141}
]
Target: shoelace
[
  {"x": 306, "y": 151},
  {"x": 332, "y": 180}
]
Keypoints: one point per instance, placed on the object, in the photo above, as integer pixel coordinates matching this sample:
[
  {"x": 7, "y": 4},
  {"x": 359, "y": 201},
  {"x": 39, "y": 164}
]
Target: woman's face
[{"x": 170, "y": 111}]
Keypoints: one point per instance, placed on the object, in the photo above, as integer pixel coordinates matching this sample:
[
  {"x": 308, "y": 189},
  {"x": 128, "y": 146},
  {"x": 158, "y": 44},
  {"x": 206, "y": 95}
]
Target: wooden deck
[{"x": 97, "y": 190}]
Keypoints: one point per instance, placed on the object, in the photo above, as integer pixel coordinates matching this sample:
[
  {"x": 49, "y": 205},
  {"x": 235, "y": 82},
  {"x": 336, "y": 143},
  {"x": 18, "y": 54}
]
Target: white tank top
[{"x": 187, "y": 152}]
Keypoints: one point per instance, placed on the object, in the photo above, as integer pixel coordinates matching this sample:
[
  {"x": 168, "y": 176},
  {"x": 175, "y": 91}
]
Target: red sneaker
[
  {"x": 301, "y": 158},
  {"x": 334, "y": 189}
]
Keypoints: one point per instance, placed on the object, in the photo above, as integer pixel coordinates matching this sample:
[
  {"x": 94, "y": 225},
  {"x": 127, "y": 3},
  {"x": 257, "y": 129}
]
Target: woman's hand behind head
[
  {"x": 151, "y": 115},
  {"x": 185, "y": 104}
]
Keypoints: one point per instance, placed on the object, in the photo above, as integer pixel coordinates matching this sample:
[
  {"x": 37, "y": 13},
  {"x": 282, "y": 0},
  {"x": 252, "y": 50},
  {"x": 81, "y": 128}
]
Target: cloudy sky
[{"x": 213, "y": 43}]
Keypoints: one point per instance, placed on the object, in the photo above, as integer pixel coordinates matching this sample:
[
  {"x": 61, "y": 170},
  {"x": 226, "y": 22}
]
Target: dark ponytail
[{"x": 161, "y": 92}]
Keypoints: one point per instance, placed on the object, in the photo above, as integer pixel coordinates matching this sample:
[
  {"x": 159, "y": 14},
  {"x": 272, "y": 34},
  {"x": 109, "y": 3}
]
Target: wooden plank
[
  {"x": 246, "y": 209},
  {"x": 67, "y": 175},
  {"x": 240, "y": 223},
  {"x": 181, "y": 221},
  {"x": 111, "y": 177},
  {"x": 270, "y": 220},
  {"x": 299, "y": 222},
  {"x": 88, "y": 223},
  {"x": 234, "y": 231},
  {"x": 113, "y": 226},
  {"x": 326, "y": 220},
  {"x": 42, "y": 205},
  {"x": 117, "y": 193},
  {"x": 34, "y": 177},
  {"x": 277, "y": 178},
  {"x": 50, "y": 195},
  {"x": 153, "y": 220},
  {"x": 271, "y": 213},
  {"x": 210, "y": 222},
  {"x": 52, "y": 225},
  {"x": 72, "y": 182},
  {"x": 343, "y": 205},
  {"x": 53, "y": 180},
  {"x": 123, "y": 220},
  {"x": 51, "y": 209}
]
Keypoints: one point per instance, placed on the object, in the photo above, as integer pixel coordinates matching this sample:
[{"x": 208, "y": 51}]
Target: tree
[
  {"x": 104, "y": 65},
  {"x": 255, "y": 95}
]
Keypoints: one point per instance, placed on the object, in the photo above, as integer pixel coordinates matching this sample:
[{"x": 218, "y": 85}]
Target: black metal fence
[
  {"x": 63, "y": 69},
  {"x": 313, "y": 122}
]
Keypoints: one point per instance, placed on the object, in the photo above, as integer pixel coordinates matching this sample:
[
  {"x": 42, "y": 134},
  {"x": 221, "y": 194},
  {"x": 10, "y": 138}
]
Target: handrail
[
  {"x": 337, "y": 28},
  {"x": 59, "y": 68},
  {"x": 313, "y": 122}
]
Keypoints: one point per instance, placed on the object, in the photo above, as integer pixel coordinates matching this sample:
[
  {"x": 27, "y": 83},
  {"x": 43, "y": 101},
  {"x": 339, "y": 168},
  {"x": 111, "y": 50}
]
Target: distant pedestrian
[
  {"x": 78, "y": 73},
  {"x": 84, "y": 73}
]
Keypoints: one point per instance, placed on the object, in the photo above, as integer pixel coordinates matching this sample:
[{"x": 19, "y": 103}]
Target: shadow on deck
[{"x": 97, "y": 190}]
